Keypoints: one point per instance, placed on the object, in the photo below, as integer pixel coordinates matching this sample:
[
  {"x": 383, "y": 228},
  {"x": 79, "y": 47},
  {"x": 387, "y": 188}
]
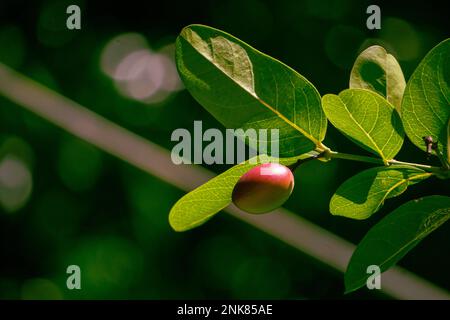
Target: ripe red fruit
[{"x": 263, "y": 188}]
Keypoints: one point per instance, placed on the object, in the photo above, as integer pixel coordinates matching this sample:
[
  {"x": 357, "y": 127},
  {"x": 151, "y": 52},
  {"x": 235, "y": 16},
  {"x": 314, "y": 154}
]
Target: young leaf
[
  {"x": 367, "y": 119},
  {"x": 379, "y": 71},
  {"x": 363, "y": 194},
  {"x": 201, "y": 204},
  {"x": 426, "y": 102},
  {"x": 394, "y": 236},
  {"x": 244, "y": 88}
]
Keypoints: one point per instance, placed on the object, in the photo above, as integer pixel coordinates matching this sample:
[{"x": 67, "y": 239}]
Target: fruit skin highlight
[{"x": 263, "y": 188}]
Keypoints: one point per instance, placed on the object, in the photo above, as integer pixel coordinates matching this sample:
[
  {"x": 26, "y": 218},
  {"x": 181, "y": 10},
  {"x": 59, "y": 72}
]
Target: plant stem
[
  {"x": 353, "y": 157},
  {"x": 417, "y": 165},
  {"x": 301, "y": 161},
  {"x": 442, "y": 159}
]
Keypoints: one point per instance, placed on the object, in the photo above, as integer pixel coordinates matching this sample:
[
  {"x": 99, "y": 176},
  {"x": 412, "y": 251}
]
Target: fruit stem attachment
[
  {"x": 295, "y": 165},
  {"x": 354, "y": 157}
]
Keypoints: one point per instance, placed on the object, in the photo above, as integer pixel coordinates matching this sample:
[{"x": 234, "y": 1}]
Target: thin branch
[{"x": 354, "y": 157}]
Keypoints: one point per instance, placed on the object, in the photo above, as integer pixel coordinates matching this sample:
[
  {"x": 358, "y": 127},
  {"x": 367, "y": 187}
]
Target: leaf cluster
[{"x": 244, "y": 88}]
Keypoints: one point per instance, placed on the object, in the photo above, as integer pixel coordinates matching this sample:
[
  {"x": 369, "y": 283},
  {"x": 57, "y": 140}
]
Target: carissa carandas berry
[{"x": 263, "y": 188}]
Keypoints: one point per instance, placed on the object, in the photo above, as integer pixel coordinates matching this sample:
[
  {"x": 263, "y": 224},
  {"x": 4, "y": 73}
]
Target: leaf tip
[
  {"x": 173, "y": 224},
  {"x": 351, "y": 286},
  {"x": 349, "y": 290}
]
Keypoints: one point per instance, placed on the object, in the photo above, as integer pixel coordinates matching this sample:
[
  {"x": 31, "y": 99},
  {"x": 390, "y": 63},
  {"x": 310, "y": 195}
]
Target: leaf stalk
[{"x": 439, "y": 171}]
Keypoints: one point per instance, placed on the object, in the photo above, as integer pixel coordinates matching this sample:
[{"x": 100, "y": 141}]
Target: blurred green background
[{"x": 63, "y": 202}]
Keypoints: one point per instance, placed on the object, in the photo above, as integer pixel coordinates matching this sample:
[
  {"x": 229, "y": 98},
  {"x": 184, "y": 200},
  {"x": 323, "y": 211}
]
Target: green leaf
[
  {"x": 379, "y": 71},
  {"x": 363, "y": 194},
  {"x": 394, "y": 236},
  {"x": 244, "y": 88},
  {"x": 448, "y": 142},
  {"x": 199, "y": 205},
  {"x": 367, "y": 119},
  {"x": 426, "y": 103}
]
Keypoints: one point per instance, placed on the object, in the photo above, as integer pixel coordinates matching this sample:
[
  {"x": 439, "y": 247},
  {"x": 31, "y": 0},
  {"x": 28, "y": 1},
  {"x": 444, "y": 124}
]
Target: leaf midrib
[
  {"x": 398, "y": 184},
  {"x": 388, "y": 191},
  {"x": 364, "y": 131}
]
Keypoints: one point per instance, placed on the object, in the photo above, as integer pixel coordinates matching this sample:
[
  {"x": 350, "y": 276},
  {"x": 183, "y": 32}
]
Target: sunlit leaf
[
  {"x": 426, "y": 102},
  {"x": 244, "y": 88},
  {"x": 363, "y": 194},
  {"x": 201, "y": 204},
  {"x": 379, "y": 71},
  {"x": 367, "y": 119}
]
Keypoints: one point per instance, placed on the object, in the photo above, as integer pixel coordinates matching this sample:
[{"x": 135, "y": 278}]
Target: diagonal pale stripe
[{"x": 281, "y": 224}]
